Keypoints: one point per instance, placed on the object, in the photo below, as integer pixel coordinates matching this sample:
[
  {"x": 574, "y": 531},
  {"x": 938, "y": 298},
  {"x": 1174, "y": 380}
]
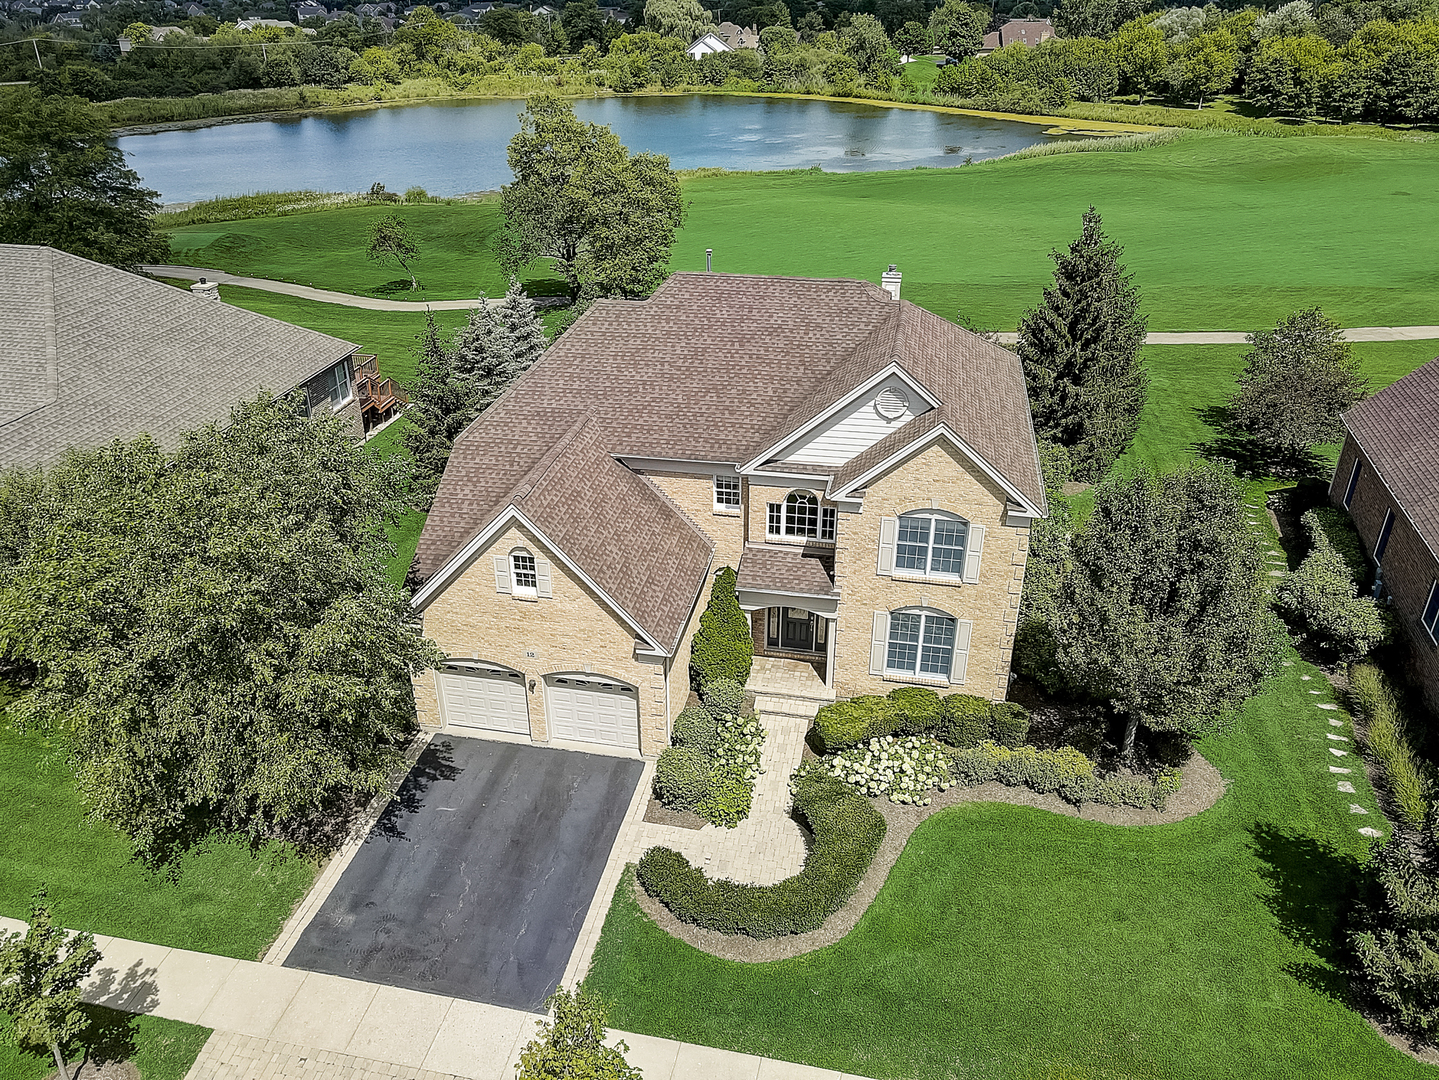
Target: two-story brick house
[
  {"x": 868, "y": 468},
  {"x": 1388, "y": 480}
]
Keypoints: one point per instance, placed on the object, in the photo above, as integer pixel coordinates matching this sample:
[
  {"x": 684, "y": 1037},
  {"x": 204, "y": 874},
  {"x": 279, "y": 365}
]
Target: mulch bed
[
  {"x": 1201, "y": 787},
  {"x": 100, "y": 1070},
  {"x": 657, "y": 813}
]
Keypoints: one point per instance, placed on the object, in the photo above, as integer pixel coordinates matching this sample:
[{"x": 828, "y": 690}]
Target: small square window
[
  {"x": 727, "y": 495},
  {"x": 527, "y": 581},
  {"x": 774, "y": 525}
]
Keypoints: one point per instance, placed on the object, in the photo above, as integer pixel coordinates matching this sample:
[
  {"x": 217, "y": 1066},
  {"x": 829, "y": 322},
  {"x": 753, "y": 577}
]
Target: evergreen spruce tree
[
  {"x": 1080, "y": 351},
  {"x": 479, "y": 344},
  {"x": 522, "y": 323},
  {"x": 442, "y": 404},
  {"x": 499, "y": 343}
]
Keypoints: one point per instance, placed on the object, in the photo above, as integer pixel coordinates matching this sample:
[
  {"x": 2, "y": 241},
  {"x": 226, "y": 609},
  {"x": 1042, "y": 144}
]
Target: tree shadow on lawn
[
  {"x": 398, "y": 287},
  {"x": 436, "y": 762},
  {"x": 1313, "y": 891},
  {"x": 1244, "y": 455}
]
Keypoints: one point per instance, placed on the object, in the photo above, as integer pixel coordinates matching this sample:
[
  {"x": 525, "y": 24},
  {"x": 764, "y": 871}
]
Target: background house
[
  {"x": 1388, "y": 480},
  {"x": 1024, "y": 31},
  {"x": 92, "y": 354}
]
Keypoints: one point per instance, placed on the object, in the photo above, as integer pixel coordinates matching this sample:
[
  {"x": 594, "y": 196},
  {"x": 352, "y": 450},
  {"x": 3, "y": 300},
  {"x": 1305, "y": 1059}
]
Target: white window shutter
[
  {"x": 879, "y": 643},
  {"x": 973, "y": 549},
  {"x": 888, "y": 529},
  {"x": 502, "y": 574},
  {"x": 959, "y": 666},
  {"x": 542, "y": 578}
]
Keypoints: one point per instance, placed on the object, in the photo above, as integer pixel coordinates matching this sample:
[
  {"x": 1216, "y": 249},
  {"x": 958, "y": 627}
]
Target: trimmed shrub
[
  {"x": 1009, "y": 723},
  {"x": 696, "y": 728},
  {"x": 1065, "y": 771},
  {"x": 847, "y": 833},
  {"x": 723, "y": 697},
  {"x": 1331, "y": 528},
  {"x": 1321, "y": 594},
  {"x": 682, "y": 777},
  {"x": 917, "y": 709},
  {"x": 849, "y": 723},
  {"x": 1374, "y": 698},
  {"x": 728, "y": 800},
  {"x": 964, "y": 722},
  {"x": 904, "y": 769},
  {"x": 722, "y": 646}
]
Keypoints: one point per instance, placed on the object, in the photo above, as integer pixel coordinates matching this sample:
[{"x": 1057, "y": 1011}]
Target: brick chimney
[
  {"x": 890, "y": 280},
  {"x": 208, "y": 290}
]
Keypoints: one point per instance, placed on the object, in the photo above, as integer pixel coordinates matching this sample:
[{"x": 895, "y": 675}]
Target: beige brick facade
[
  {"x": 937, "y": 477},
  {"x": 574, "y": 630}
]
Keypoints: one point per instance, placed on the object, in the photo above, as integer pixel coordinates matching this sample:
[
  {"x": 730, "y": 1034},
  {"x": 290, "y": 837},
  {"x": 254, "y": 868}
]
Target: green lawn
[
  {"x": 1010, "y": 942},
  {"x": 921, "y": 71},
  {"x": 1221, "y": 231},
  {"x": 159, "y": 1049},
  {"x": 224, "y": 898}
]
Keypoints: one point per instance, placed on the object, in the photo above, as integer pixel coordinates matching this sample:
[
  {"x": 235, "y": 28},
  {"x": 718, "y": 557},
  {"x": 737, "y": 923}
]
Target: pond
[{"x": 454, "y": 147}]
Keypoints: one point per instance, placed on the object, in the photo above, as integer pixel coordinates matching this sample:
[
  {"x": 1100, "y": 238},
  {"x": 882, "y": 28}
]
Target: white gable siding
[{"x": 855, "y": 428}]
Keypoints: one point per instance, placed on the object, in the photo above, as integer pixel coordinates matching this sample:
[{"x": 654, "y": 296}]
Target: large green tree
[
  {"x": 212, "y": 631},
  {"x": 604, "y": 219},
  {"x": 1095, "y": 18},
  {"x": 1297, "y": 381},
  {"x": 1080, "y": 351},
  {"x": 584, "y": 24},
  {"x": 1161, "y": 613},
  {"x": 866, "y": 42},
  {"x": 63, "y": 184},
  {"x": 40, "y": 975},
  {"x": 958, "y": 28},
  {"x": 683, "y": 19},
  {"x": 443, "y": 401}
]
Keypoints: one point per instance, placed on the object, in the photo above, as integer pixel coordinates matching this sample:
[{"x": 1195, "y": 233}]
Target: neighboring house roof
[
  {"x": 718, "y": 368},
  {"x": 1398, "y": 430},
  {"x": 738, "y": 37},
  {"x": 92, "y": 354},
  {"x": 711, "y": 42},
  {"x": 1025, "y": 31}
]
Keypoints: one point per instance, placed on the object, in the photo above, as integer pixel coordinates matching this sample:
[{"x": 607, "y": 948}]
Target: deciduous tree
[
  {"x": 40, "y": 976},
  {"x": 1080, "y": 351},
  {"x": 865, "y": 40},
  {"x": 958, "y": 28},
  {"x": 1297, "y": 381},
  {"x": 391, "y": 238},
  {"x": 63, "y": 184},
  {"x": 683, "y": 19},
  {"x": 1095, "y": 18},
  {"x": 212, "y": 631},
  {"x": 604, "y": 219},
  {"x": 1161, "y": 614},
  {"x": 583, "y": 24}
]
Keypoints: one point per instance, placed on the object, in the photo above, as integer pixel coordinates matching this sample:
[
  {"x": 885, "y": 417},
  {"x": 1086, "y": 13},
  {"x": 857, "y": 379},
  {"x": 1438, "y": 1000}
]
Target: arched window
[
  {"x": 800, "y": 516},
  {"x": 523, "y": 573},
  {"x": 932, "y": 543},
  {"x": 921, "y": 643}
]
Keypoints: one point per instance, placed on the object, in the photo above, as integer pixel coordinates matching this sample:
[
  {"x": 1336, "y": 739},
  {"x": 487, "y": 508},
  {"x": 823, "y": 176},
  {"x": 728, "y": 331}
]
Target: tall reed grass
[{"x": 1373, "y": 696}]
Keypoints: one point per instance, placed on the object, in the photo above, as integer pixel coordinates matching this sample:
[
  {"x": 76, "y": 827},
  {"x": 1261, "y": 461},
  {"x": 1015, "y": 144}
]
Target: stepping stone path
[
  {"x": 1336, "y": 723},
  {"x": 1346, "y": 787},
  {"x": 1276, "y": 573},
  {"x": 1305, "y": 678},
  {"x": 1334, "y": 737},
  {"x": 1336, "y": 768},
  {"x": 1375, "y": 833},
  {"x": 1339, "y": 753},
  {"x": 1327, "y": 707},
  {"x": 1355, "y": 808}
]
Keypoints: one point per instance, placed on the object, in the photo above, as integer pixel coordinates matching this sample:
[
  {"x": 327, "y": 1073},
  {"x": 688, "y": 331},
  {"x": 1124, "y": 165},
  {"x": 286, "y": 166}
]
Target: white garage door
[
  {"x": 593, "y": 709},
  {"x": 484, "y": 696}
]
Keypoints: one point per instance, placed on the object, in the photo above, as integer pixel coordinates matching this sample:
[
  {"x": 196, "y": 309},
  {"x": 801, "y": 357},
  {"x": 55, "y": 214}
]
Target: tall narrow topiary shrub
[{"x": 722, "y": 647}]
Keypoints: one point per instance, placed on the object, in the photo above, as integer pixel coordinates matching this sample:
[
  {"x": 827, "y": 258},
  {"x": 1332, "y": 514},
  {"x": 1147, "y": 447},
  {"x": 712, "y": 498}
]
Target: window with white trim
[
  {"x": 1353, "y": 482},
  {"x": 1430, "y": 619},
  {"x": 1384, "y": 531},
  {"x": 524, "y": 574},
  {"x": 333, "y": 387},
  {"x": 931, "y": 544},
  {"x": 921, "y": 644},
  {"x": 800, "y": 517},
  {"x": 726, "y": 494}
]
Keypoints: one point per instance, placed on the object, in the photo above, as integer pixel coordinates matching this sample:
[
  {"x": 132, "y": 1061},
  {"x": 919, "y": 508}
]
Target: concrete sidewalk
[{"x": 283, "y": 1024}]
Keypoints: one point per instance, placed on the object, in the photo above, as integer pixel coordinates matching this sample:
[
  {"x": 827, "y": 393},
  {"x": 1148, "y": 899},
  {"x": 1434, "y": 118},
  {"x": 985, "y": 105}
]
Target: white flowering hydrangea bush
[
  {"x": 733, "y": 773},
  {"x": 904, "y": 769}
]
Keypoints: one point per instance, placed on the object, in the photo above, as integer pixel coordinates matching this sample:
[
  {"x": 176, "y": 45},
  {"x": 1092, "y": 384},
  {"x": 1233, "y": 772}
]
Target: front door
[{"x": 797, "y": 630}]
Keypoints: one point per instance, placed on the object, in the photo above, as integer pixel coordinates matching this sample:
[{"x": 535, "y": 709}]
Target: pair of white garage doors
[{"x": 580, "y": 707}]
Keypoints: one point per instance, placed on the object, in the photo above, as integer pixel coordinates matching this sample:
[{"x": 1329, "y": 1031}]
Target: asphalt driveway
[{"x": 477, "y": 878}]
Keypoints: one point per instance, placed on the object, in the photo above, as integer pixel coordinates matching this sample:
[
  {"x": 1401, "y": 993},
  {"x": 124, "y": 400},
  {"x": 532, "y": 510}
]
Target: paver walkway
[
  {"x": 275, "y": 1023},
  {"x": 373, "y": 303}
]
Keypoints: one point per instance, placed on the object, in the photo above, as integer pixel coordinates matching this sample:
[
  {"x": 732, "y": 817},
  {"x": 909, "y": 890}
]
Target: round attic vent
[{"x": 891, "y": 403}]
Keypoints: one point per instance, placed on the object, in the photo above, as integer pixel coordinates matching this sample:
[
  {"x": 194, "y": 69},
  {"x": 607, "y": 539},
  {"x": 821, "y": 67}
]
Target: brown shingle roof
[
  {"x": 721, "y": 367},
  {"x": 1398, "y": 429},
  {"x": 784, "y": 570},
  {"x": 91, "y": 354}
]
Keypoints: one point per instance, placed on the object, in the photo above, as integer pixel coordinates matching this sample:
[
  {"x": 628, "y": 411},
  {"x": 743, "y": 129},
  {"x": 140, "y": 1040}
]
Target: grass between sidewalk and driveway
[
  {"x": 1010, "y": 942},
  {"x": 159, "y": 1049},
  {"x": 1223, "y": 232},
  {"x": 223, "y": 897}
]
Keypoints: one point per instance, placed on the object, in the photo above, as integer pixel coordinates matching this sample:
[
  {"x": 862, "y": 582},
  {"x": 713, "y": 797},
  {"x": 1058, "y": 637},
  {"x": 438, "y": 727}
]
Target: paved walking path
[
  {"x": 276, "y": 1023},
  {"x": 371, "y": 303}
]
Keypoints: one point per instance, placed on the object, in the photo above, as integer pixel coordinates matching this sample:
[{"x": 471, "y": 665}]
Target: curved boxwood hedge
[{"x": 847, "y": 833}]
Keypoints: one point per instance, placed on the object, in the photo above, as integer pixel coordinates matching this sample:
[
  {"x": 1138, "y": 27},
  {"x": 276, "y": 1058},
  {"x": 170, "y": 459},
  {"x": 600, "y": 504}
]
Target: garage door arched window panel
[
  {"x": 523, "y": 574},
  {"x": 931, "y": 544},
  {"x": 920, "y": 644}
]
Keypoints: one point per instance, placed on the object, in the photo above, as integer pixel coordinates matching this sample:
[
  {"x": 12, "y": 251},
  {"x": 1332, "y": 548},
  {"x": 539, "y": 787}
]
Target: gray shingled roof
[
  {"x": 721, "y": 367},
  {"x": 91, "y": 354},
  {"x": 1398, "y": 429},
  {"x": 790, "y": 570}
]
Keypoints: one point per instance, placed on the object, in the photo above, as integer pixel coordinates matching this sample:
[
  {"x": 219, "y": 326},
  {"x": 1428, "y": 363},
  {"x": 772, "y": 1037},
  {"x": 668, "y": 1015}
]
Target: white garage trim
[
  {"x": 476, "y": 695},
  {"x": 593, "y": 709}
]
